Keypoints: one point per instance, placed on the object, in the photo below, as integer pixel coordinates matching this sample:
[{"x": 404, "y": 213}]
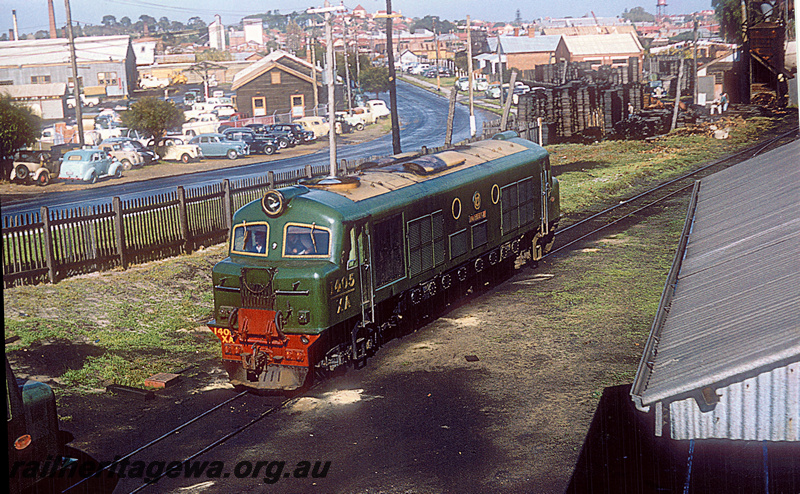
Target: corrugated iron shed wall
[{"x": 735, "y": 310}]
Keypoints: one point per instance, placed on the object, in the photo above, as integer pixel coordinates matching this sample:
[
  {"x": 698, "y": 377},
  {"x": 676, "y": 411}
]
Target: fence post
[
  {"x": 343, "y": 166},
  {"x": 271, "y": 179},
  {"x": 183, "y": 219},
  {"x": 49, "y": 253},
  {"x": 228, "y": 204},
  {"x": 309, "y": 174},
  {"x": 119, "y": 231}
]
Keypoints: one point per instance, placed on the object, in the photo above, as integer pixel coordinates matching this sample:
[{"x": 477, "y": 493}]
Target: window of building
[
  {"x": 40, "y": 79},
  {"x": 107, "y": 78},
  {"x": 275, "y": 77}
]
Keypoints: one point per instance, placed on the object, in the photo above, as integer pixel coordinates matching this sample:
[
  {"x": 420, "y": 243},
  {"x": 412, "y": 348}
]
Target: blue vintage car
[
  {"x": 89, "y": 165},
  {"x": 219, "y": 145}
]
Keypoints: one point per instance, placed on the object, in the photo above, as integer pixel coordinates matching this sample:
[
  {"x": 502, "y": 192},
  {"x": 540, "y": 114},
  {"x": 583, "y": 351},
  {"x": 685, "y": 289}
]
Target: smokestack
[
  {"x": 52, "y": 12},
  {"x": 16, "y": 30},
  {"x": 11, "y": 35}
]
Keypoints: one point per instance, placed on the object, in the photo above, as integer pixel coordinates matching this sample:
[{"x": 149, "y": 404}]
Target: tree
[
  {"x": 19, "y": 128},
  {"x": 375, "y": 80},
  {"x": 195, "y": 23},
  {"x": 729, "y": 13},
  {"x": 125, "y": 22},
  {"x": 153, "y": 116},
  {"x": 638, "y": 14},
  {"x": 109, "y": 21}
]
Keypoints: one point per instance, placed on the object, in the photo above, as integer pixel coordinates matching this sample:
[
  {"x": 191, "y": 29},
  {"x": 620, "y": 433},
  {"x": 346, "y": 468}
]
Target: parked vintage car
[
  {"x": 259, "y": 143},
  {"x": 148, "y": 155},
  {"x": 318, "y": 125},
  {"x": 378, "y": 108},
  {"x": 174, "y": 149},
  {"x": 123, "y": 152},
  {"x": 365, "y": 114},
  {"x": 294, "y": 133},
  {"x": 89, "y": 165},
  {"x": 205, "y": 123},
  {"x": 353, "y": 119},
  {"x": 34, "y": 167},
  {"x": 219, "y": 145}
]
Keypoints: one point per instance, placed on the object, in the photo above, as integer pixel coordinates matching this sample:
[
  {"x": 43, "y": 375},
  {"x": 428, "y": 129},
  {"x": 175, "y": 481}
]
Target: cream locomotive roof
[{"x": 398, "y": 173}]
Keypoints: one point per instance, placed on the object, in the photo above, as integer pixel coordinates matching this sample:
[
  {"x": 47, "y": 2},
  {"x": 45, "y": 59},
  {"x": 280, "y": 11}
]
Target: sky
[{"x": 32, "y": 14}]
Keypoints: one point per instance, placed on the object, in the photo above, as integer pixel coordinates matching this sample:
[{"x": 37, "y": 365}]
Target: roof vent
[{"x": 332, "y": 183}]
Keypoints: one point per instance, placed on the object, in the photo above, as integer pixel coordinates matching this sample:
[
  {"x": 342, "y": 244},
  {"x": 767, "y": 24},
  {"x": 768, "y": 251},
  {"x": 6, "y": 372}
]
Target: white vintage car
[
  {"x": 206, "y": 123},
  {"x": 378, "y": 108},
  {"x": 174, "y": 149}
]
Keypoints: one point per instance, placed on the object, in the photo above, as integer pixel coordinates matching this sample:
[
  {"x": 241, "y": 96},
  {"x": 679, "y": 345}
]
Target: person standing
[{"x": 723, "y": 100}]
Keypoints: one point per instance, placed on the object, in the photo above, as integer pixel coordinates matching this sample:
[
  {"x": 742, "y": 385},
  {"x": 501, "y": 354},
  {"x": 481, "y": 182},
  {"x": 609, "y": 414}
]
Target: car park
[
  {"x": 175, "y": 149},
  {"x": 213, "y": 144},
  {"x": 89, "y": 165},
  {"x": 123, "y": 152},
  {"x": 258, "y": 143},
  {"x": 34, "y": 167}
]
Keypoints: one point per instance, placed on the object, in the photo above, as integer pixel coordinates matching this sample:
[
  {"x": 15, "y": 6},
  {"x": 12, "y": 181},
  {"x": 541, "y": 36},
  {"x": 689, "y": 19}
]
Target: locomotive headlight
[{"x": 304, "y": 340}]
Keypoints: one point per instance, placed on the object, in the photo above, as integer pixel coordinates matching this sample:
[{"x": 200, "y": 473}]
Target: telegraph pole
[
  {"x": 327, "y": 9},
  {"x": 392, "y": 83},
  {"x": 472, "y": 126},
  {"x": 77, "y": 86}
]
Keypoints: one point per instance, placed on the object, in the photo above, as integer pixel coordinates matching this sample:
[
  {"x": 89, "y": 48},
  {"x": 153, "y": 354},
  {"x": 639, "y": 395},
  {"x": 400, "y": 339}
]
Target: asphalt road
[{"x": 423, "y": 118}]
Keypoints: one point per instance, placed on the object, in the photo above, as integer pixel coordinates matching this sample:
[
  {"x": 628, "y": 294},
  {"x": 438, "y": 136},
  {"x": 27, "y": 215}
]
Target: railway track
[
  {"x": 589, "y": 226},
  {"x": 266, "y": 406},
  {"x": 238, "y": 424}
]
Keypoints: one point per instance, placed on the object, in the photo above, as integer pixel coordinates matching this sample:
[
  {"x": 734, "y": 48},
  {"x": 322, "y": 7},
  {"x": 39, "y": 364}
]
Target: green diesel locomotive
[{"x": 319, "y": 273}]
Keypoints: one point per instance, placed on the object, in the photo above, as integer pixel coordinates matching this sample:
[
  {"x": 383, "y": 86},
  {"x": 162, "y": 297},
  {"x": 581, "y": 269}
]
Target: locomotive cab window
[
  {"x": 306, "y": 241},
  {"x": 250, "y": 238}
]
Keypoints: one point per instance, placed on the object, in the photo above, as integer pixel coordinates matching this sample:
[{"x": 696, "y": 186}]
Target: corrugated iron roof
[
  {"x": 31, "y": 91},
  {"x": 524, "y": 44},
  {"x": 735, "y": 308},
  {"x": 603, "y": 44},
  {"x": 56, "y": 51}
]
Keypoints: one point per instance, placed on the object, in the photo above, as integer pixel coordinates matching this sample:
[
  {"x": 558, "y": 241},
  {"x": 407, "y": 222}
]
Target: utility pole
[
  {"x": 436, "y": 38},
  {"x": 347, "y": 69},
  {"x": 694, "y": 74},
  {"x": 392, "y": 82},
  {"x": 77, "y": 87},
  {"x": 327, "y": 9},
  {"x": 472, "y": 126}
]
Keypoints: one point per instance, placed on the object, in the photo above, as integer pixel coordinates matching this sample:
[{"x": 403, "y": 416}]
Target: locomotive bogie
[{"x": 335, "y": 270}]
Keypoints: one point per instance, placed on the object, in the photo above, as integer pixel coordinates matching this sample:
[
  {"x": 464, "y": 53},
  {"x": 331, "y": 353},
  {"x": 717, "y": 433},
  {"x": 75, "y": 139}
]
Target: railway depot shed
[{"x": 723, "y": 357}]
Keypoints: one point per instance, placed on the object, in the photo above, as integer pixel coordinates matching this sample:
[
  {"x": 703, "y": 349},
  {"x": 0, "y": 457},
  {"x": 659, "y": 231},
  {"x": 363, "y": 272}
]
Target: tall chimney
[
  {"x": 16, "y": 30},
  {"x": 52, "y": 12}
]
